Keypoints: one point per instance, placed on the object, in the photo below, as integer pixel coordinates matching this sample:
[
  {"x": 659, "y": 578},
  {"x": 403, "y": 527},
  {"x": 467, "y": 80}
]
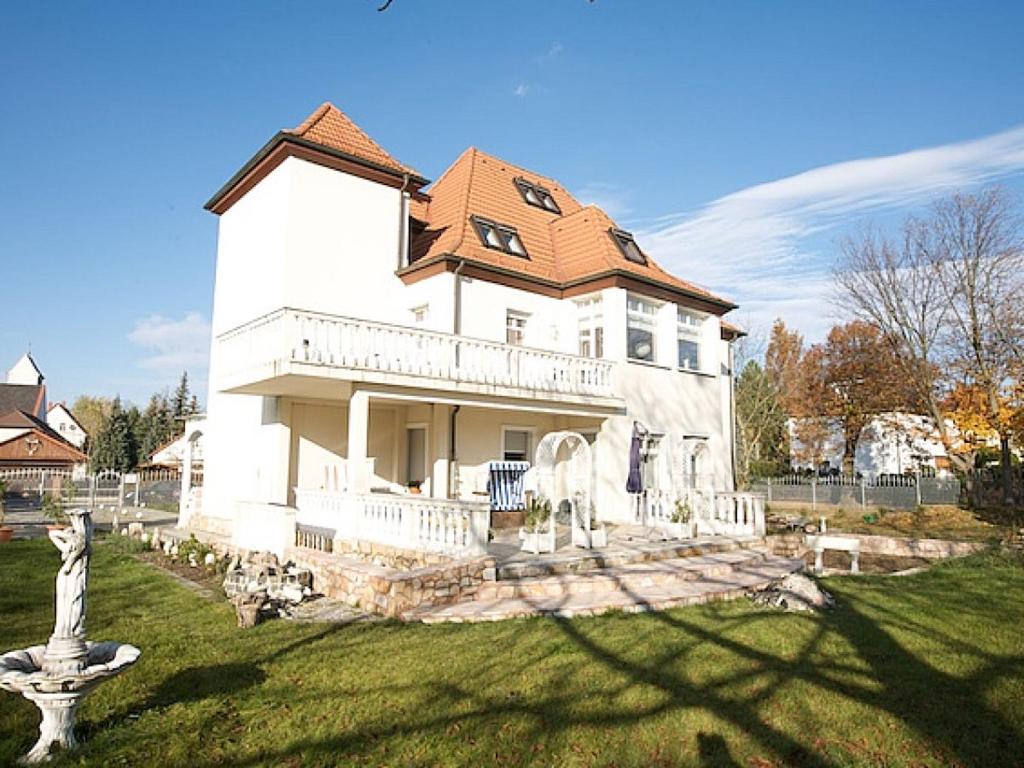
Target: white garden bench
[{"x": 838, "y": 543}]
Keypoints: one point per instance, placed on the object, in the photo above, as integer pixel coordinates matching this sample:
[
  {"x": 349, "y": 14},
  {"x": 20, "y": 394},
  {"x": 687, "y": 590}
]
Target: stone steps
[
  {"x": 631, "y": 576},
  {"x": 638, "y": 552},
  {"x": 700, "y": 583}
]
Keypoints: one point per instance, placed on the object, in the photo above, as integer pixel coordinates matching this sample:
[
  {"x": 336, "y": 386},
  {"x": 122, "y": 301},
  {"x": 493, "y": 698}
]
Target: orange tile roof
[
  {"x": 565, "y": 248},
  {"x": 330, "y": 127}
]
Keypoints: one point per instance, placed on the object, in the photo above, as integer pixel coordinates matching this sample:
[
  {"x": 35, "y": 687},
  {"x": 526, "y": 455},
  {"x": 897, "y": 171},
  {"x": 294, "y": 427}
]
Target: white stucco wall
[
  {"x": 312, "y": 238},
  {"x": 60, "y": 421}
]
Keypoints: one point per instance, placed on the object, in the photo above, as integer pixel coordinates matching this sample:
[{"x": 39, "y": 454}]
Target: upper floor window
[
  {"x": 499, "y": 236},
  {"x": 688, "y": 335},
  {"x": 536, "y": 195},
  {"x": 627, "y": 245},
  {"x": 641, "y": 321},
  {"x": 591, "y": 327},
  {"x": 420, "y": 314},
  {"x": 515, "y": 327}
]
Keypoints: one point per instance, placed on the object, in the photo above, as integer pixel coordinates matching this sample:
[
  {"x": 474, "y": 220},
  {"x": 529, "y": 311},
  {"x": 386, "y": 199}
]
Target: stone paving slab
[
  {"x": 741, "y": 579},
  {"x": 630, "y": 576}
]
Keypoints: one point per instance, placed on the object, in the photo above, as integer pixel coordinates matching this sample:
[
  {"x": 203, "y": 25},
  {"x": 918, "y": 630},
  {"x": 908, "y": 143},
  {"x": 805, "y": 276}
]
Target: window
[
  {"x": 688, "y": 335},
  {"x": 62, "y": 427},
  {"x": 516, "y": 445},
  {"x": 515, "y": 327},
  {"x": 420, "y": 314},
  {"x": 651, "y": 466},
  {"x": 591, "y": 327},
  {"x": 536, "y": 195},
  {"x": 628, "y": 247},
  {"x": 640, "y": 324},
  {"x": 500, "y": 237}
]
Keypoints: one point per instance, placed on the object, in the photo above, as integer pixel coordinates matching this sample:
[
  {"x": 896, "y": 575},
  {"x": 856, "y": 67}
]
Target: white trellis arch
[{"x": 579, "y": 491}]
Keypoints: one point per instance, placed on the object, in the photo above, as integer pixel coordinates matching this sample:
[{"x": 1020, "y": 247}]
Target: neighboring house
[
  {"x": 63, "y": 422},
  {"x": 26, "y": 440},
  {"x": 890, "y": 444},
  {"x": 172, "y": 454},
  {"x": 373, "y": 336}
]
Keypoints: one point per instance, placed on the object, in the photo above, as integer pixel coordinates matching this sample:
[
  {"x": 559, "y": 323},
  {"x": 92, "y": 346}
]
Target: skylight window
[
  {"x": 500, "y": 237},
  {"x": 537, "y": 195},
  {"x": 628, "y": 246}
]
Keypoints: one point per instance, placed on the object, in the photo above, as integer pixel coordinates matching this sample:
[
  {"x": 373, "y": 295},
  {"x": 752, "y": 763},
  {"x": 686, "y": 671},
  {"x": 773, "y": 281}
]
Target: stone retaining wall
[
  {"x": 389, "y": 557},
  {"x": 795, "y": 545},
  {"x": 390, "y": 591}
]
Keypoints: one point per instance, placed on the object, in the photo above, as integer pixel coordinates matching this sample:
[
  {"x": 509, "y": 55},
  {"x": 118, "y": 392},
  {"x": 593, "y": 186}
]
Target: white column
[
  {"x": 358, "y": 441},
  {"x": 440, "y": 436},
  {"x": 186, "y": 485}
]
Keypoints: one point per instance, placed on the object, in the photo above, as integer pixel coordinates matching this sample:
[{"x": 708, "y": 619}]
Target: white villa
[{"x": 381, "y": 343}]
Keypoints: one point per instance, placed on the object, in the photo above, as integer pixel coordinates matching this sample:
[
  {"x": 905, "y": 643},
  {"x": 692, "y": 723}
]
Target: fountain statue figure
[{"x": 56, "y": 677}]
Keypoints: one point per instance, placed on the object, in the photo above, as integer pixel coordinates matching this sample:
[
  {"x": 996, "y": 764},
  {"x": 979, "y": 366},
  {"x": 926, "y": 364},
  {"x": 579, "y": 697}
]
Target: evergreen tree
[
  {"x": 180, "y": 404},
  {"x": 157, "y": 426},
  {"x": 115, "y": 444}
]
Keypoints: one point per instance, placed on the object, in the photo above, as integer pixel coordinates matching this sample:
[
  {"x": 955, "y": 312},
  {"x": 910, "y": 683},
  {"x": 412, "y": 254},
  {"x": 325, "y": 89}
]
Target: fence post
[
  {"x": 814, "y": 494},
  {"x": 769, "y": 490},
  {"x": 863, "y": 496},
  {"x": 917, "y": 486},
  {"x": 92, "y": 491},
  {"x": 42, "y": 485}
]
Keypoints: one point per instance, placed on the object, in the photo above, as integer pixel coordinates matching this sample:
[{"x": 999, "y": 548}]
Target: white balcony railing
[
  {"x": 716, "y": 513},
  {"x": 328, "y": 340},
  {"x": 402, "y": 521}
]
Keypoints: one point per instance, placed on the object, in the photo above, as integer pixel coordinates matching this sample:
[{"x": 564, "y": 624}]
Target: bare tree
[
  {"x": 948, "y": 295},
  {"x": 895, "y": 286},
  {"x": 979, "y": 249}
]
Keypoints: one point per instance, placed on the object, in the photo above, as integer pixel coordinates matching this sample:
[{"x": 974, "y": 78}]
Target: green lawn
[{"x": 925, "y": 670}]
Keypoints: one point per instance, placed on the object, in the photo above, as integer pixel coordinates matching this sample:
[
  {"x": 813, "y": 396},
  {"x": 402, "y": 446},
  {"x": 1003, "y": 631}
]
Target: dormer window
[
  {"x": 537, "y": 195},
  {"x": 628, "y": 246},
  {"x": 500, "y": 237}
]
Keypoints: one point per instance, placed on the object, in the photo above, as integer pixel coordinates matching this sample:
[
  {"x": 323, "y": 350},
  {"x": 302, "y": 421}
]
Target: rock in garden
[{"x": 796, "y": 592}]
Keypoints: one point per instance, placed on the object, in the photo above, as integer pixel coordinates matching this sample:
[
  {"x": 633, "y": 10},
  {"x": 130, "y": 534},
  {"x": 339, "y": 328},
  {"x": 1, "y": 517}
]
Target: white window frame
[
  {"x": 420, "y": 314},
  {"x": 531, "y": 441},
  {"x": 690, "y": 327},
  {"x": 642, "y": 314},
  {"x": 590, "y": 323},
  {"x": 516, "y": 322}
]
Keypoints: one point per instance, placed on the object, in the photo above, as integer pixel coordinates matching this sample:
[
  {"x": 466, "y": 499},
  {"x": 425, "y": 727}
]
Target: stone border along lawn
[{"x": 926, "y": 670}]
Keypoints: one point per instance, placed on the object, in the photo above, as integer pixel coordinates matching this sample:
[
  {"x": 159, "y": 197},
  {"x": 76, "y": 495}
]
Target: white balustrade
[
  {"x": 406, "y": 522},
  {"x": 329, "y": 340},
  {"x": 734, "y": 513}
]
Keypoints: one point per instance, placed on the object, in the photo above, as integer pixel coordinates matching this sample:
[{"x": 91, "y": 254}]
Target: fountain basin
[{"x": 22, "y": 671}]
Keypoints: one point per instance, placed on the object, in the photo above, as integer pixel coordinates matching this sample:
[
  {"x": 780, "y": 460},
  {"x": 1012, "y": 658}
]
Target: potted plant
[
  {"x": 6, "y": 532},
  {"x": 415, "y": 487},
  {"x": 538, "y": 534},
  {"x": 596, "y": 536},
  {"x": 681, "y": 524}
]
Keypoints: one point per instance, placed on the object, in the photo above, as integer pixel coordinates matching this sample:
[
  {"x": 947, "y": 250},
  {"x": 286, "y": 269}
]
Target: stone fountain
[{"x": 57, "y": 676}]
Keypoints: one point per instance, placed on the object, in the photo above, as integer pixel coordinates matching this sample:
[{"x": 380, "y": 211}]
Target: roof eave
[{"x": 282, "y": 137}]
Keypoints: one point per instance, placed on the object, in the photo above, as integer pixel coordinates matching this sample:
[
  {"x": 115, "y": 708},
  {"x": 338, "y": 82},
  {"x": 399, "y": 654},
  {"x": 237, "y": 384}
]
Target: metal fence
[
  {"x": 29, "y": 488},
  {"x": 896, "y": 491}
]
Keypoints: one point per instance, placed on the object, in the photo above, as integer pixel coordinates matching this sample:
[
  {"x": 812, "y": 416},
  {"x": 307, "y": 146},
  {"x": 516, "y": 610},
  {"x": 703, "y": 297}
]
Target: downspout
[
  {"x": 453, "y": 454},
  {"x": 403, "y": 223}
]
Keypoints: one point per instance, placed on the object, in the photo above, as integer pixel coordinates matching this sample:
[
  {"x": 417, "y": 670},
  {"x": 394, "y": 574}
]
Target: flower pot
[{"x": 6, "y": 533}]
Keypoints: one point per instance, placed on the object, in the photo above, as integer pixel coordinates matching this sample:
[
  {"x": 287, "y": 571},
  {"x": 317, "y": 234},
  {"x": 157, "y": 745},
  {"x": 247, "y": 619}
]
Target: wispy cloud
[
  {"x": 767, "y": 245},
  {"x": 613, "y": 199},
  {"x": 551, "y": 53},
  {"x": 173, "y": 345},
  {"x": 521, "y": 90}
]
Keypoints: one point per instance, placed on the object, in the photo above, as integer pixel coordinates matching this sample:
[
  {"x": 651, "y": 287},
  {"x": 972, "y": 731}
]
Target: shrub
[{"x": 538, "y": 514}]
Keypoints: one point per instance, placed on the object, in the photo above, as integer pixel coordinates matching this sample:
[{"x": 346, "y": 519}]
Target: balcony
[{"x": 292, "y": 351}]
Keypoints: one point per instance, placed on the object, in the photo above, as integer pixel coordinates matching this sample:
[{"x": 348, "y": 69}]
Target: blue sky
[{"x": 739, "y": 139}]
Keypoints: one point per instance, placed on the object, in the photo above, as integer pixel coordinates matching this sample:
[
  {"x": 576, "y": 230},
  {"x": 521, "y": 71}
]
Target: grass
[{"x": 926, "y": 670}]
